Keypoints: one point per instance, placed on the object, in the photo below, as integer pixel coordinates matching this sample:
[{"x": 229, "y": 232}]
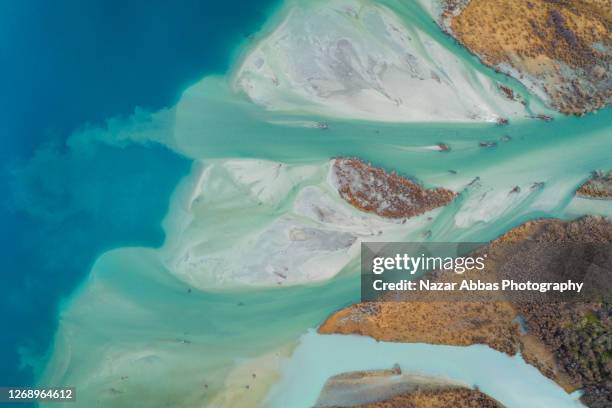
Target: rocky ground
[
  {"x": 561, "y": 49},
  {"x": 598, "y": 186},
  {"x": 570, "y": 343},
  {"x": 455, "y": 397},
  {"x": 392, "y": 388},
  {"x": 389, "y": 195}
]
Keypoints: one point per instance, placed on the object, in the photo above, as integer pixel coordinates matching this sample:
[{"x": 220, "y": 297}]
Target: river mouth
[{"x": 181, "y": 321}]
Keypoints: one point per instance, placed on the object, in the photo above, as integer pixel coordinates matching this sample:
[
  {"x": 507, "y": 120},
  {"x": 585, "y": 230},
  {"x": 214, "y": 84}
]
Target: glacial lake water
[
  {"x": 133, "y": 325},
  {"x": 150, "y": 329}
]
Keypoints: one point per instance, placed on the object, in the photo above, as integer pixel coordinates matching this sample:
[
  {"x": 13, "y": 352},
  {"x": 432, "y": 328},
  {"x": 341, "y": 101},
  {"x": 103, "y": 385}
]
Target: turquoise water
[
  {"x": 509, "y": 379},
  {"x": 139, "y": 331},
  {"x": 74, "y": 67},
  {"x": 149, "y": 327}
]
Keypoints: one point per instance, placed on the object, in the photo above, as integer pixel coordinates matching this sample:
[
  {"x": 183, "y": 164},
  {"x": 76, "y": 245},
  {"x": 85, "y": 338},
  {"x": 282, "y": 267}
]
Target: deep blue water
[{"x": 63, "y": 65}]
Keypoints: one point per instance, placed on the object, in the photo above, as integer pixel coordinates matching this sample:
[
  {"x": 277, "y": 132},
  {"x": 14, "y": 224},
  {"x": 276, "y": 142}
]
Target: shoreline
[{"x": 494, "y": 323}]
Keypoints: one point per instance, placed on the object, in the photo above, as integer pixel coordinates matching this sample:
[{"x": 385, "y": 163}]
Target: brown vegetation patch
[
  {"x": 451, "y": 397},
  {"x": 389, "y": 195},
  {"x": 598, "y": 186},
  {"x": 393, "y": 388},
  {"x": 563, "y": 46},
  {"x": 570, "y": 343}
]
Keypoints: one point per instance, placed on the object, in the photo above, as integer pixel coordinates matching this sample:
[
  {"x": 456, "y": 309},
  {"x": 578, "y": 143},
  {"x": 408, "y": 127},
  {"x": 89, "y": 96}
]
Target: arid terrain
[
  {"x": 560, "y": 49},
  {"x": 452, "y": 397},
  {"x": 390, "y": 195},
  {"x": 391, "y": 388},
  {"x": 569, "y": 342},
  {"x": 598, "y": 186}
]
